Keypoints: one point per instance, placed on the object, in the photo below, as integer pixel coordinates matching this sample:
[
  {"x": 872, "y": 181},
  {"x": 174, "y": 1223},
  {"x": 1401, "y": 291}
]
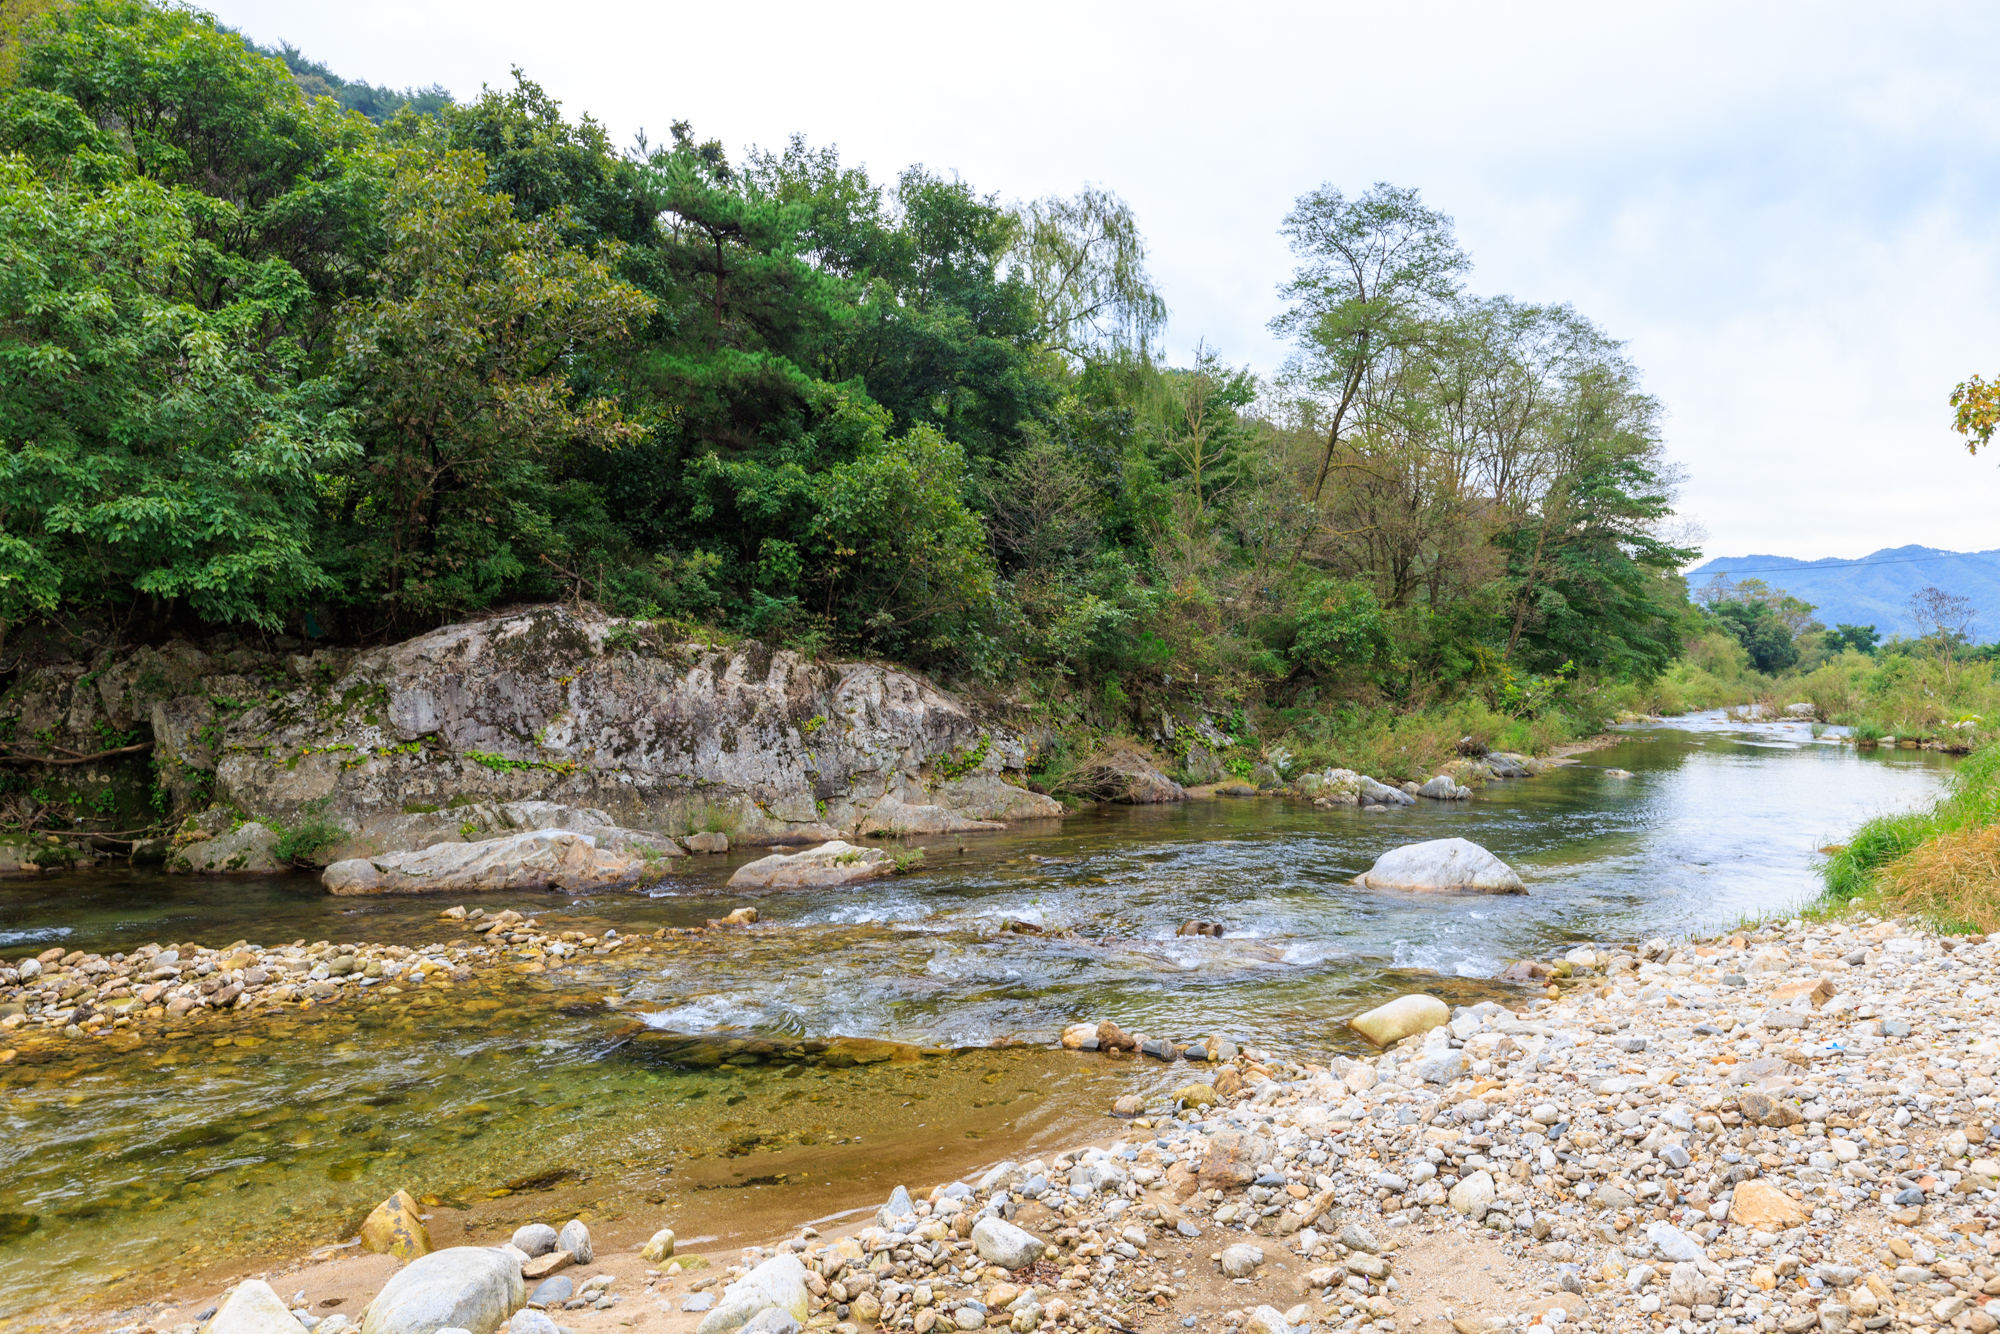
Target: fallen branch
[{"x": 13, "y": 758}]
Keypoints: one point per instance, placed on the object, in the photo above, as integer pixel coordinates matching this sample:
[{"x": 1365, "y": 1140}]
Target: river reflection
[{"x": 118, "y": 1163}]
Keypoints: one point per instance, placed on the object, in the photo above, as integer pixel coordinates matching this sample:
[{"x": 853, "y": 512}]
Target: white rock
[
  {"x": 470, "y": 1287},
  {"x": 834, "y": 863},
  {"x": 1442, "y": 865},
  {"x": 1241, "y": 1261},
  {"x": 1266, "y": 1320},
  {"x": 253, "y": 1308},
  {"x": 779, "y": 1282},
  {"x": 575, "y": 1238},
  {"x": 537, "y": 859},
  {"x": 1472, "y": 1194},
  {"x": 1001, "y": 1243},
  {"x": 534, "y": 1239}
]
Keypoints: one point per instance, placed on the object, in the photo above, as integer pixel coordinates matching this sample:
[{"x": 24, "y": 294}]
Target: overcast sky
[{"x": 1787, "y": 211}]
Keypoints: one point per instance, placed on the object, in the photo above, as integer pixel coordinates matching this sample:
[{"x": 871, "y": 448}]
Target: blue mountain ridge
[{"x": 1874, "y": 590}]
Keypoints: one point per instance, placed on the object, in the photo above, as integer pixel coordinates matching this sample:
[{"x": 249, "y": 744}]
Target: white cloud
[{"x": 1785, "y": 209}]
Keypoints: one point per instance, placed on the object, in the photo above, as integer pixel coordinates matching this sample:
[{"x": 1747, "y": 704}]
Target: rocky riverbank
[
  {"x": 1778, "y": 1132},
  {"x": 58, "y": 994}
]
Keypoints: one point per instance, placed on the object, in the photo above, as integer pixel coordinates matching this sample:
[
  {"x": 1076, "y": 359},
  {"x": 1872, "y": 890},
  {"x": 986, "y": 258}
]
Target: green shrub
[{"x": 305, "y": 844}]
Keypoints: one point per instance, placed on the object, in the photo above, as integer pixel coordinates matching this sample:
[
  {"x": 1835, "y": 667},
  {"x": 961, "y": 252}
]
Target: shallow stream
[{"x": 127, "y": 1165}]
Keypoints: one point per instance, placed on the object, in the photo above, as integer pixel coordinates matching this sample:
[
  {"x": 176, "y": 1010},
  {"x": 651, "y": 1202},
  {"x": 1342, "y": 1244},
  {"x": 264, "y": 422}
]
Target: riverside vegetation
[
  {"x": 279, "y": 372},
  {"x": 310, "y": 386}
]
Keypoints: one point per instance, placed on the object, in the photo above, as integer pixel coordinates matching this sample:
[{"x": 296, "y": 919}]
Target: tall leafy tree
[
  {"x": 461, "y": 365},
  {"x": 1373, "y": 271},
  {"x": 156, "y": 441}
]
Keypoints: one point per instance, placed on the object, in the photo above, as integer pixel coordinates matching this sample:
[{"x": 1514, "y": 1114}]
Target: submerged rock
[
  {"x": 539, "y": 859},
  {"x": 1442, "y": 865},
  {"x": 834, "y": 863}
]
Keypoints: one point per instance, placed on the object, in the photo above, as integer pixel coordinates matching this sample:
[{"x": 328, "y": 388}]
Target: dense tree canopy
[{"x": 291, "y": 350}]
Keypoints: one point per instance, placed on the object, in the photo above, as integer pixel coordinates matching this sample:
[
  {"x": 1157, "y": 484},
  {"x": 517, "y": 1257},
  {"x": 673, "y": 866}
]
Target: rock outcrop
[
  {"x": 414, "y": 740},
  {"x": 1442, "y": 865}
]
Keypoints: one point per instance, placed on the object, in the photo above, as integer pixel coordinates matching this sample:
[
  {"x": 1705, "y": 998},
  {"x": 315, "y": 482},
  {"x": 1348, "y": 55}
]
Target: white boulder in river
[
  {"x": 253, "y": 1308},
  {"x": 472, "y": 1288},
  {"x": 538, "y": 859},
  {"x": 1444, "y": 866},
  {"x": 834, "y": 863},
  {"x": 777, "y": 1284}
]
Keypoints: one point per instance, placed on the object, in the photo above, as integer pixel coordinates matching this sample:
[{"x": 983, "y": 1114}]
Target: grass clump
[{"x": 1943, "y": 865}]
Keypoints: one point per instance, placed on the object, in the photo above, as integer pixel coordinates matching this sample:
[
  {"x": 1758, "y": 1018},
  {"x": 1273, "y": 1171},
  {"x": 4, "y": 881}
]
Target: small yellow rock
[
  {"x": 395, "y": 1228},
  {"x": 661, "y": 1246},
  {"x": 1195, "y": 1095},
  {"x": 1764, "y": 1278}
]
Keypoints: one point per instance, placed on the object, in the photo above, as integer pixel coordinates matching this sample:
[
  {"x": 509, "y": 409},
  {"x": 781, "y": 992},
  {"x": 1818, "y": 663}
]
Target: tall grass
[{"x": 1942, "y": 864}]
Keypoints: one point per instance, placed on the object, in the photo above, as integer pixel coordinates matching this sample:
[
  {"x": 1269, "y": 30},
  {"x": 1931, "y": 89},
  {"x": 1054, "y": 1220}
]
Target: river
[{"x": 126, "y": 1169}]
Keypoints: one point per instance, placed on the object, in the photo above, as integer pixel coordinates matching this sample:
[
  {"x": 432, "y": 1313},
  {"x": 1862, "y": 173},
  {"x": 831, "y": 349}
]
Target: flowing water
[{"x": 127, "y": 1164}]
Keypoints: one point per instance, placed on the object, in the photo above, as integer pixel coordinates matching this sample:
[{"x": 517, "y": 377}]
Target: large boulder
[
  {"x": 555, "y": 705},
  {"x": 1442, "y": 866},
  {"x": 1401, "y": 1018},
  {"x": 539, "y": 859},
  {"x": 474, "y": 1288},
  {"x": 253, "y": 1308},
  {"x": 1442, "y": 788},
  {"x": 248, "y": 849},
  {"x": 829, "y": 864},
  {"x": 1373, "y": 793},
  {"x": 984, "y": 795},
  {"x": 893, "y": 816},
  {"x": 777, "y": 1284}
]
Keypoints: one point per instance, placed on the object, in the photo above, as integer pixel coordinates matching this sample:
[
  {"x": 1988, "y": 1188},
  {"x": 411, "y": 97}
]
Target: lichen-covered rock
[
  {"x": 1442, "y": 865},
  {"x": 248, "y": 849},
  {"x": 539, "y": 859},
  {"x": 587, "y": 712},
  {"x": 396, "y": 1227},
  {"x": 834, "y": 863}
]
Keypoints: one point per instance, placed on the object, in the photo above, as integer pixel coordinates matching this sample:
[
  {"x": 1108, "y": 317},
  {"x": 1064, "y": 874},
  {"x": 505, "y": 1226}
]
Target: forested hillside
[{"x": 270, "y": 364}]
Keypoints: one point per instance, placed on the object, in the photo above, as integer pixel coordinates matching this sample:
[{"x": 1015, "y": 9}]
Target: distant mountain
[{"x": 1876, "y": 589}]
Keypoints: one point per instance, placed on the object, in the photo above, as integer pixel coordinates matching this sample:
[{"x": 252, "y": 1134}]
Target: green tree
[
  {"x": 269, "y": 173},
  {"x": 461, "y": 370},
  {"x": 1375, "y": 270},
  {"x": 154, "y": 441}
]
